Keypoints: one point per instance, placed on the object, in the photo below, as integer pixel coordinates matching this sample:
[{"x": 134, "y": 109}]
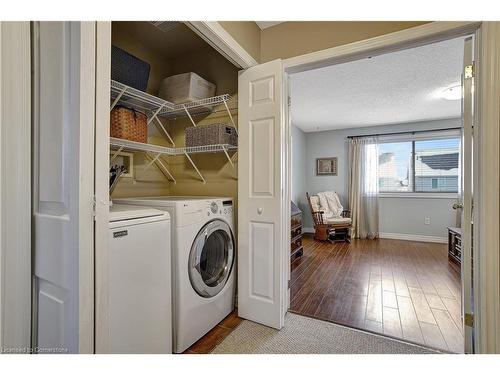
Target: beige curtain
[{"x": 363, "y": 187}]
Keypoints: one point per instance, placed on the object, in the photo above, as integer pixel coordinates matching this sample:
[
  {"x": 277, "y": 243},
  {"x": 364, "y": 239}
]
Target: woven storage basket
[
  {"x": 129, "y": 124},
  {"x": 213, "y": 134}
]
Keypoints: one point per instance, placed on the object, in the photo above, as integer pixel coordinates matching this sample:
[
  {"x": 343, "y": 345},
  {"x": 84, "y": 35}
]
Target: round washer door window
[{"x": 211, "y": 258}]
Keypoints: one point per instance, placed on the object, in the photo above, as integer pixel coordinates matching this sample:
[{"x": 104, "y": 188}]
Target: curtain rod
[{"x": 407, "y": 132}]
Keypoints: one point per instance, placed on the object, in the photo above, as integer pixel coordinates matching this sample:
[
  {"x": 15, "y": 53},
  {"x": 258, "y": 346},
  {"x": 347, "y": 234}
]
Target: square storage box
[
  {"x": 211, "y": 135},
  {"x": 185, "y": 88},
  {"x": 128, "y": 69}
]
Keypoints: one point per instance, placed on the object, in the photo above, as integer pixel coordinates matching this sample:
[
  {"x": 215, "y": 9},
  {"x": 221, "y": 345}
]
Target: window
[{"x": 430, "y": 165}]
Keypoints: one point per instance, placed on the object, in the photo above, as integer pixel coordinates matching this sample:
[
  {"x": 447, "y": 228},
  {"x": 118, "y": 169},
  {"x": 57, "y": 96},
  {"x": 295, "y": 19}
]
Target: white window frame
[{"x": 431, "y": 135}]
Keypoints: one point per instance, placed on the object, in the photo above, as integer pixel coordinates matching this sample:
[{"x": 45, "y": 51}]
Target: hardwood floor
[
  {"x": 402, "y": 289},
  {"x": 215, "y": 336}
]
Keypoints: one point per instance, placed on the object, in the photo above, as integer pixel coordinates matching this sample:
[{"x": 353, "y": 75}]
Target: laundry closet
[
  {"x": 172, "y": 48},
  {"x": 173, "y": 175}
]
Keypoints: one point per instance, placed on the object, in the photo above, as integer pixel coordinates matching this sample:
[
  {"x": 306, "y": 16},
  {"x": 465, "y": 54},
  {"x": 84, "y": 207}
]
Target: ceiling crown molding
[{"x": 215, "y": 35}]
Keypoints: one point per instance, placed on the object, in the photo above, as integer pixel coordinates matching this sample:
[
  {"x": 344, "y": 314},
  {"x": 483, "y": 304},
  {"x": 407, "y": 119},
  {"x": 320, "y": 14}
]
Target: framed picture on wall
[{"x": 326, "y": 166}]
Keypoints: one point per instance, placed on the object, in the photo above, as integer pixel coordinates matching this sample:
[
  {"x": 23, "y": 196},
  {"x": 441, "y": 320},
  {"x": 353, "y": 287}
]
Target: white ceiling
[
  {"x": 396, "y": 87},
  {"x": 265, "y": 24}
]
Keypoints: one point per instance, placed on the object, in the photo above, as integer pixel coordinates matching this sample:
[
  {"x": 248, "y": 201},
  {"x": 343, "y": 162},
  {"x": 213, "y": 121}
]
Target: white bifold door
[
  {"x": 63, "y": 185},
  {"x": 263, "y": 195}
]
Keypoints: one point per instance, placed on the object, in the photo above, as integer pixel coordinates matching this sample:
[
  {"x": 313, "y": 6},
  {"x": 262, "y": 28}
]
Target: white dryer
[
  {"x": 203, "y": 262},
  {"x": 139, "y": 281}
]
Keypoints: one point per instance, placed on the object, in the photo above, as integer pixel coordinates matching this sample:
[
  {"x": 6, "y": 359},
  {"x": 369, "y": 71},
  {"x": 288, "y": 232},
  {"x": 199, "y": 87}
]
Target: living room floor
[{"x": 402, "y": 289}]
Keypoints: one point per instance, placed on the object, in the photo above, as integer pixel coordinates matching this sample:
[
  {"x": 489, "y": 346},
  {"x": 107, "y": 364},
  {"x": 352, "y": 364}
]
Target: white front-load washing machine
[{"x": 203, "y": 262}]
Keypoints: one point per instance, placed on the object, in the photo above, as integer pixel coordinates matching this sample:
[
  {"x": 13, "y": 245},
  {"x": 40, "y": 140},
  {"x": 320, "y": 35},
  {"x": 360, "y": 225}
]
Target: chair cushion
[
  {"x": 338, "y": 220},
  {"x": 315, "y": 203}
]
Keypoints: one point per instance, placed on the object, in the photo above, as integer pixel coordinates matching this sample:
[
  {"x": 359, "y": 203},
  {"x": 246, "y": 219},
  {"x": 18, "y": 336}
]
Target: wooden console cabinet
[
  {"x": 296, "y": 228},
  {"x": 455, "y": 245}
]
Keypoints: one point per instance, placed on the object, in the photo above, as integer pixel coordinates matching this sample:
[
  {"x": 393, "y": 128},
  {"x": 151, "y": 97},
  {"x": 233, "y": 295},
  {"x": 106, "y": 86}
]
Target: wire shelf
[
  {"x": 195, "y": 108},
  {"x": 127, "y": 145},
  {"x": 208, "y": 148},
  {"x": 139, "y": 100},
  {"x": 127, "y": 96}
]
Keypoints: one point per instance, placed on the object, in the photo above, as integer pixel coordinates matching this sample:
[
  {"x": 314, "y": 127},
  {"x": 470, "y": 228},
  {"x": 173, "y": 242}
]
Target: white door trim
[
  {"x": 486, "y": 244},
  {"x": 487, "y": 279},
  {"x": 398, "y": 40},
  {"x": 86, "y": 210},
  {"x": 15, "y": 185},
  {"x": 215, "y": 35},
  {"x": 103, "y": 79}
]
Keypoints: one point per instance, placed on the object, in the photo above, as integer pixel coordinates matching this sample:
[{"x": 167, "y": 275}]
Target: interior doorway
[{"x": 407, "y": 277}]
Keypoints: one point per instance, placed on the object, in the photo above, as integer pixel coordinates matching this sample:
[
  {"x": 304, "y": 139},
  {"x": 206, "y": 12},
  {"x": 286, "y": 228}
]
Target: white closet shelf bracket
[
  {"x": 230, "y": 116},
  {"x": 195, "y": 168},
  {"x": 159, "y": 162},
  {"x": 165, "y": 131},
  {"x": 152, "y": 161},
  {"x": 113, "y": 157},
  {"x": 189, "y": 115},
  {"x": 227, "y": 156},
  {"x": 122, "y": 91}
]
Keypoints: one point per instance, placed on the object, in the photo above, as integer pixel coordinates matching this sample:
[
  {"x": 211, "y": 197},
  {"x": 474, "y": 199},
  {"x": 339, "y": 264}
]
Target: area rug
[{"x": 302, "y": 335}]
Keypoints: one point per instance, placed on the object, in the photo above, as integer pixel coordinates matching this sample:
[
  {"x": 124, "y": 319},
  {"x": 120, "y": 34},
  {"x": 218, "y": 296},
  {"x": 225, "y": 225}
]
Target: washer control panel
[{"x": 219, "y": 207}]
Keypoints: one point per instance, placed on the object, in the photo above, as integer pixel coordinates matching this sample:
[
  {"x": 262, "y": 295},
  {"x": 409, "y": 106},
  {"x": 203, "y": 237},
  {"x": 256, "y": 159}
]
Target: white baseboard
[
  {"x": 400, "y": 236},
  {"x": 413, "y": 237}
]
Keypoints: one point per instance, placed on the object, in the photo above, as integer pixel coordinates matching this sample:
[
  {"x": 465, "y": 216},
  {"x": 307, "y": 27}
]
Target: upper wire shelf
[
  {"x": 125, "y": 95},
  {"x": 136, "y": 99}
]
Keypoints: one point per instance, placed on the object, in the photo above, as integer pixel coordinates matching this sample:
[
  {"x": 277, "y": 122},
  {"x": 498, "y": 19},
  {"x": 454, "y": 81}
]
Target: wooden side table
[
  {"x": 296, "y": 232},
  {"x": 455, "y": 245}
]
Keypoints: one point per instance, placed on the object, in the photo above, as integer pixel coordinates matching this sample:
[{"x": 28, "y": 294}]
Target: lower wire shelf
[
  {"x": 155, "y": 151},
  {"x": 127, "y": 145}
]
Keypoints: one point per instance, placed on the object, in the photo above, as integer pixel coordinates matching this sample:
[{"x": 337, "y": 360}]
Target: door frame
[
  {"x": 15, "y": 185},
  {"x": 101, "y": 170},
  {"x": 487, "y": 53}
]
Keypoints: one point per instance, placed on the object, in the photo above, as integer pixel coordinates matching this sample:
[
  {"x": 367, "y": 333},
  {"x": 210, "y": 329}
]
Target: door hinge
[
  {"x": 93, "y": 207},
  {"x": 469, "y": 320},
  {"x": 289, "y": 101},
  {"x": 469, "y": 71},
  {"x": 288, "y": 284}
]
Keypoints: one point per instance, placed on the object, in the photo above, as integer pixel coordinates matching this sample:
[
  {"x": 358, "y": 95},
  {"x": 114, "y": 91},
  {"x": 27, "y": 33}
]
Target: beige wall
[
  {"x": 290, "y": 39},
  {"x": 247, "y": 34},
  {"x": 296, "y": 38}
]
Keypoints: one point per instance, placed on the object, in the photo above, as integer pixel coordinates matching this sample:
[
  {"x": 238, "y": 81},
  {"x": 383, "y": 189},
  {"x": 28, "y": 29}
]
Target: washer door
[{"x": 211, "y": 258}]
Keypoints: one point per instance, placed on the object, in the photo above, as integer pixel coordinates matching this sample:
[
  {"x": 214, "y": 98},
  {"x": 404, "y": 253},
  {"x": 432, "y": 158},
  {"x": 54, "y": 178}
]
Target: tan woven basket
[{"x": 129, "y": 124}]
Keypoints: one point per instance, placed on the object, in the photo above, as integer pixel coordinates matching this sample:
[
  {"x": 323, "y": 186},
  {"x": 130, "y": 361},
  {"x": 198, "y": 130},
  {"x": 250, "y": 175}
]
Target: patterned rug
[{"x": 302, "y": 335}]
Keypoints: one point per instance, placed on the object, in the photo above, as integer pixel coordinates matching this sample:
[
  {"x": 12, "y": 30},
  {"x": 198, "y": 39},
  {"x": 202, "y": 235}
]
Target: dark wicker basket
[
  {"x": 213, "y": 134},
  {"x": 129, "y": 124}
]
